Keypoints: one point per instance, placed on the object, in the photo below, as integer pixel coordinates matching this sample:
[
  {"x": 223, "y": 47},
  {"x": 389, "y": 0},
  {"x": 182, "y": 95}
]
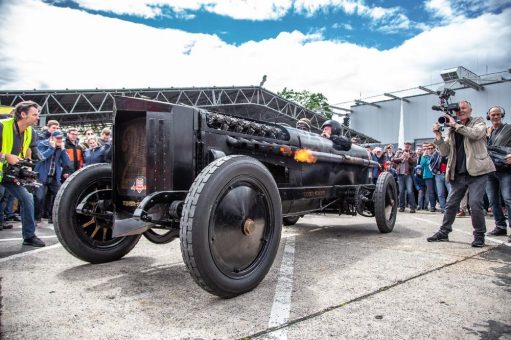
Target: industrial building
[{"x": 379, "y": 116}]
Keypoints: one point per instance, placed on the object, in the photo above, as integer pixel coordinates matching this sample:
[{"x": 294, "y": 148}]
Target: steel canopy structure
[{"x": 95, "y": 107}]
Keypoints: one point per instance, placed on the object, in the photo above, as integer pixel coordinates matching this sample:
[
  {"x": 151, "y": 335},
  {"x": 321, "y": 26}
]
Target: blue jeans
[
  {"x": 430, "y": 184},
  {"x": 499, "y": 183},
  {"x": 3, "y": 197},
  {"x": 441, "y": 189},
  {"x": 26, "y": 201},
  {"x": 476, "y": 185},
  {"x": 406, "y": 186},
  {"x": 6, "y": 204},
  {"x": 421, "y": 199}
]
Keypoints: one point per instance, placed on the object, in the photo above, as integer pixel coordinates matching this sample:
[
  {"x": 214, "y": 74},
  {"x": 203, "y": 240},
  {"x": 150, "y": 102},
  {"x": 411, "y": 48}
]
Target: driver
[{"x": 332, "y": 130}]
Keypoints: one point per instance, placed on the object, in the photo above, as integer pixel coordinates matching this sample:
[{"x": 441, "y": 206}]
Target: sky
[{"x": 345, "y": 49}]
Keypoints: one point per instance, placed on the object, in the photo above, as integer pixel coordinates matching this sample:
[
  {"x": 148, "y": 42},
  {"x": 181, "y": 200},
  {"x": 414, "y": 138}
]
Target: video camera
[
  {"x": 21, "y": 174},
  {"x": 445, "y": 106}
]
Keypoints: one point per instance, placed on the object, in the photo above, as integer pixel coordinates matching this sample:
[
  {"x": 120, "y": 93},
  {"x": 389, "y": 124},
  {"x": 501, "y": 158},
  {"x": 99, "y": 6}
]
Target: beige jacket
[{"x": 478, "y": 160}]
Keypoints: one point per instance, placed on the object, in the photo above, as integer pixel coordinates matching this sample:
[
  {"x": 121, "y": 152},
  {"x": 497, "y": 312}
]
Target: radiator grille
[{"x": 131, "y": 157}]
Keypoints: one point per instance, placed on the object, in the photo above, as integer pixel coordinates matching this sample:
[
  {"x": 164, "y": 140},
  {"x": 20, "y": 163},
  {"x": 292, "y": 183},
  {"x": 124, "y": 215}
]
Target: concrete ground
[{"x": 334, "y": 277}]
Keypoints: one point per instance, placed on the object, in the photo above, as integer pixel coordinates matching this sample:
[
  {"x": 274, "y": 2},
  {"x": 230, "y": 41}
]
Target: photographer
[
  {"x": 17, "y": 137},
  {"x": 499, "y": 182},
  {"x": 467, "y": 167},
  {"x": 54, "y": 158}
]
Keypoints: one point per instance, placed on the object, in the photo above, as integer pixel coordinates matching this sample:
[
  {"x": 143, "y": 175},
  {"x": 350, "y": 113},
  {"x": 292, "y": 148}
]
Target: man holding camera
[
  {"x": 17, "y": 138},
  {"x": 54, "y": 158},
  {"x": 499, "y": 182},
  {"x": 468, "y": 167}
]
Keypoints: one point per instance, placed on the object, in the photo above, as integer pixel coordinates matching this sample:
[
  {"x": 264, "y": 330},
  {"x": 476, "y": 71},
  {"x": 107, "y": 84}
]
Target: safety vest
[{"x": 8, "y": 140}]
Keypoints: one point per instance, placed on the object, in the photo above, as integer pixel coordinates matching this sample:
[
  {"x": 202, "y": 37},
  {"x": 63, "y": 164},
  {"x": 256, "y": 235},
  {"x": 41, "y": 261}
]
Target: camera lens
[{"x": 441, "y": 120}]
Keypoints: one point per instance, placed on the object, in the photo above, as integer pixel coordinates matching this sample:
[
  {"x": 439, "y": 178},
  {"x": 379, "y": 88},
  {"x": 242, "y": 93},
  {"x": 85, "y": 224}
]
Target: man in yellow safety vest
[{"x": 17, "y": 139}]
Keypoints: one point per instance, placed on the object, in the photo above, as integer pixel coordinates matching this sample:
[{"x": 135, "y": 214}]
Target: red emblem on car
[{"x": 139, "y": 185}]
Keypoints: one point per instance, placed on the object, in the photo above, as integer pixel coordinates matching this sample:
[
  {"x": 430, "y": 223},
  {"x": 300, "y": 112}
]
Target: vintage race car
[{"x": 223, "y": 184}]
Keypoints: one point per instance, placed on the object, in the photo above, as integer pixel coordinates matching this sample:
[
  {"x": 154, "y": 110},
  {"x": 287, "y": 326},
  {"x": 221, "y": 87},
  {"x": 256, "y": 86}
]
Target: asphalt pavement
[{"x": 334, "y": 277}]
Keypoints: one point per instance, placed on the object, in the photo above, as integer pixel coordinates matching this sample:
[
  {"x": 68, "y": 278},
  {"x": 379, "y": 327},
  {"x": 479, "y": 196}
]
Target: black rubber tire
[
  {"x": 385, "y": 202},
  {"x": 214, "y": 186},
  {"x": 153, "y": 236},
  {"x": 290, "y": 220},
  {"x": 79, "y": 240}
]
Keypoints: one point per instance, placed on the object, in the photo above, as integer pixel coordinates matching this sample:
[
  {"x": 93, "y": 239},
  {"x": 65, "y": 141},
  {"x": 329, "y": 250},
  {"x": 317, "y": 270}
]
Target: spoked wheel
[
  {"x": 160, "y": 236},
  {"x": 89, "y": 236},
  {"x": 385, "y": 202},
  {"x": 231, "y": 225},
  {"x": 290, "y": 220}
]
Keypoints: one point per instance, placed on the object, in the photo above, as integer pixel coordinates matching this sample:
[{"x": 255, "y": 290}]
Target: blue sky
[
  {"x": 351, "y": 21},
  {"x": 342, "y": 48}
]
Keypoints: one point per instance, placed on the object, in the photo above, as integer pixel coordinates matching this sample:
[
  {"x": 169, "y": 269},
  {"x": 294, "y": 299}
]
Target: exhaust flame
[
  {"x": 305, "y": 156},
  {"x": 286, "y": 150}
]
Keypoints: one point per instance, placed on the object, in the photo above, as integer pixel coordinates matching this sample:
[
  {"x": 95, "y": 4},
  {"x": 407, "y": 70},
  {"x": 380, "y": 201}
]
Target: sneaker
[
  {"x": 432, "y": 210},
  {"x": 34, "y": 241},
  {"x": 6, "y": 226},
  {"x": 494, "y": 232},
  {"x": 438, "y": 237},
  {"x": 14, "y": 218},
  {"x": 442, "y": 211},
  {"x": 478, "y": 242},
  {"x": 461, "y": 213},
  {"x": 401, "y": 209},
  {"x": 412, "y": 211}
]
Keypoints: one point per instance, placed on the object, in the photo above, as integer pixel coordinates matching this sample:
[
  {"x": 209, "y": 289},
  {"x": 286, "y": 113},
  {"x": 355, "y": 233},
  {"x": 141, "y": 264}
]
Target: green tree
[{"x": 316, "y": 102}]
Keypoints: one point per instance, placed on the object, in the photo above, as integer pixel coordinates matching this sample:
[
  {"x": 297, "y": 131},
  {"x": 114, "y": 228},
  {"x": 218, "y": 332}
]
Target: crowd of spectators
[{"x": 59, "y": 153}]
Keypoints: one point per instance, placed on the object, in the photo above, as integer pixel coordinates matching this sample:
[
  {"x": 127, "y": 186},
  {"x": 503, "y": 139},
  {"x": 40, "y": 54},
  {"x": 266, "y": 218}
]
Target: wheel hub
[{"x": 248, "y": 227}]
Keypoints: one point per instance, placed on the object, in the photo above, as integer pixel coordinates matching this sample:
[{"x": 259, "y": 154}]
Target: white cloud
[
  {"x": 387, "y": 20},
  {"x": 75, "y": 49},
  {"x": 122, "y": 7},
  {"x": 439, "y": 8},
  {"x": 247, "y": 9},
  {"x": 345, "y": 26},
  {"x": 458, "y": 10}
]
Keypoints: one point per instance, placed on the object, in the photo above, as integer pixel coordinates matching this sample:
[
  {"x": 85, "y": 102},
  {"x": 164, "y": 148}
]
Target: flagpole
[{"x": 401, "y": 135}]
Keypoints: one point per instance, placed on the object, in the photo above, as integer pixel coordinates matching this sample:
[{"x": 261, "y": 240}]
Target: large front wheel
[
  {"x": 89, "y": 236},
  {"x": 231, "y": 225}
]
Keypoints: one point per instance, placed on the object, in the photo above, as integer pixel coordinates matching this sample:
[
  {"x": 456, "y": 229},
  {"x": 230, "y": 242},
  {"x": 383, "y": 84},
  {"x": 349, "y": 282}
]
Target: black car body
[{"x": 222, "y": 183}]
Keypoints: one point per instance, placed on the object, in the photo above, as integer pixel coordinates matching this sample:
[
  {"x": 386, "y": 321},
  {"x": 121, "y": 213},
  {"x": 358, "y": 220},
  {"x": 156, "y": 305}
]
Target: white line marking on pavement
[
  {"x": 466, "y": 232},
  {"x": 282, "y": 300},
  {"x": 20, "y": 239},
  {"x": 27, "y": 253}
]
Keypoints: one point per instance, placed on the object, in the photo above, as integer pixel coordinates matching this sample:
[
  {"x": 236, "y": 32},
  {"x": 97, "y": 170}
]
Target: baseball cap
[{"x": 57, "y": 134}]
